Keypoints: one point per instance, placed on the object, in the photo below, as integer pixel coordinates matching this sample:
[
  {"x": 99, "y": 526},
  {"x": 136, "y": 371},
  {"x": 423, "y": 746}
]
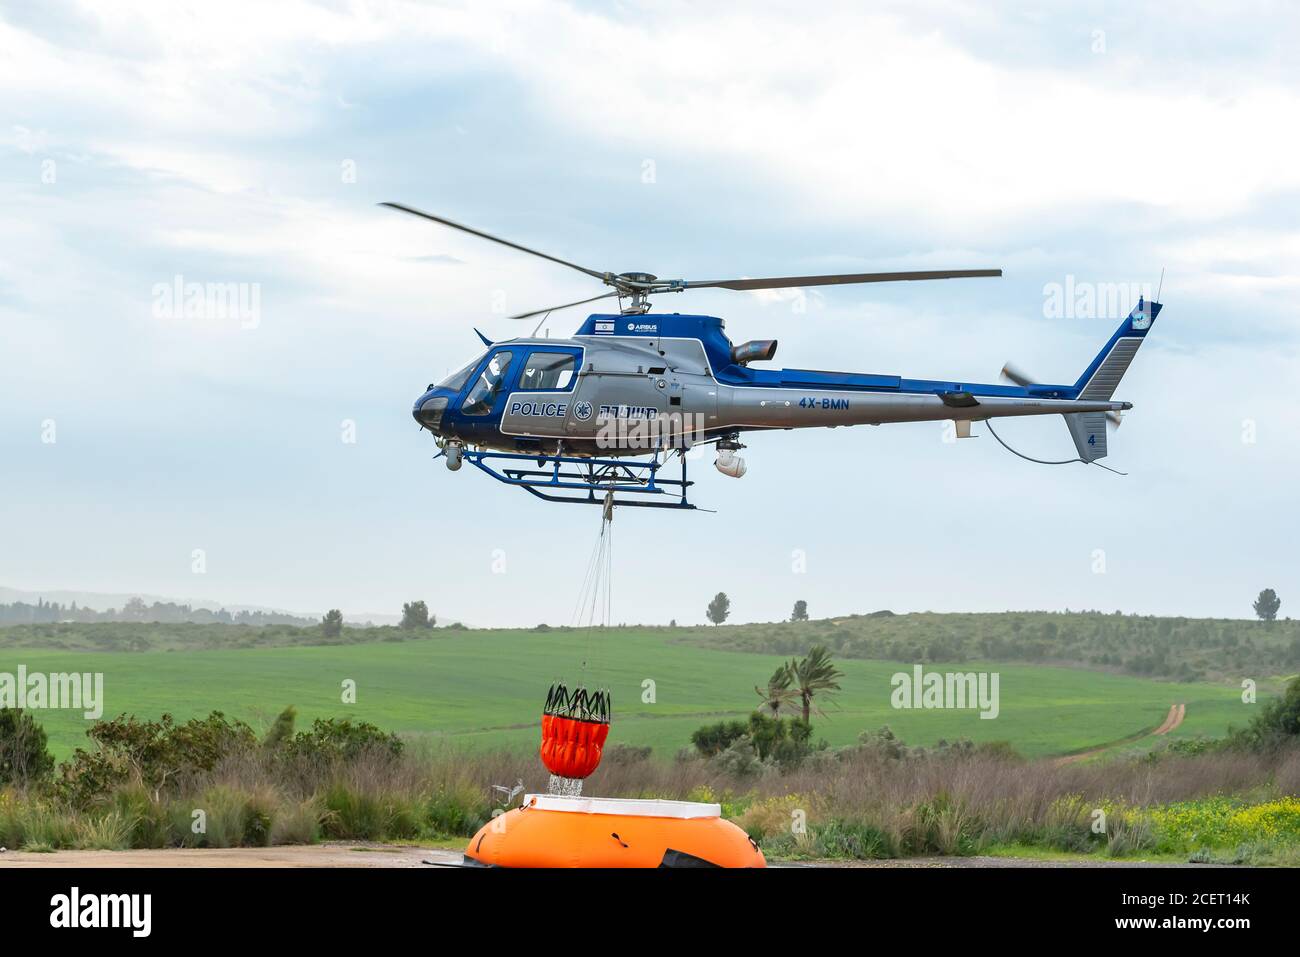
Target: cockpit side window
[
  {"x": 547, "y": 371},
  {"x": 490, "y": 382}
]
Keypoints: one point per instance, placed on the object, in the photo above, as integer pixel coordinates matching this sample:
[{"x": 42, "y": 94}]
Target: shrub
[
  {"x": 451, "y": 814},
  {"x": 625, "y": 754},
  {"x": 158, "y": 754},
  {"x": 772, "y": 817},
  {"x": 351, "y": 814},
  {"x": 740, "y": 760},
  {"x": 341, "y": 739},
  {"x": 282, "y": 730},
  {"x": 715, "y": 738},
  {"x": 24, "y": 757},
  {"x": 107, "y": 832},
  {"x": 148, "y": 821},
  {"x": 852, "y": 840},
  {"x": 1275, "y": 726},
  {"x": 297, "y": 823}
]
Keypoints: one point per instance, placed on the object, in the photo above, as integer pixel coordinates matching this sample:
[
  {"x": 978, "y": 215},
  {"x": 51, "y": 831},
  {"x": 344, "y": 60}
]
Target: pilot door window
[
  {"x": 490, "y": 383},
  {"x": 547, "y": 371}
]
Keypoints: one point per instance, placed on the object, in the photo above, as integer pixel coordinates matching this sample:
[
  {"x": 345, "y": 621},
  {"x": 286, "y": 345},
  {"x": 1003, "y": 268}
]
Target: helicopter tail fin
[
  {"x": 1101, "y": 378},
  {"x": 1088, "y": 429}
]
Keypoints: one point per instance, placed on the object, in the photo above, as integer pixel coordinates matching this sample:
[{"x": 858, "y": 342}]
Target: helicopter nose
[{"x": 428, "y": 411}]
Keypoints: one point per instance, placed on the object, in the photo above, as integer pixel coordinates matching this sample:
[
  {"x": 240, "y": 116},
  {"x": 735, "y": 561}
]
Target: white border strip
[{"x": 627, "y": 807}]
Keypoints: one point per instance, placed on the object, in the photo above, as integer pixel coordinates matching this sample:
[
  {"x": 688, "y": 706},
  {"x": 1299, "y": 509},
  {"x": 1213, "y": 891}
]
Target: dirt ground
[
  {"x": 345, "y": 854},
  {"x": 330, "y": 854}
]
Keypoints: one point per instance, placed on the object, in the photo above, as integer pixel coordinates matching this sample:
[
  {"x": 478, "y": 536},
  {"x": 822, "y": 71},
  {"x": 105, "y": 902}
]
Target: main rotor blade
[
  {"x": 788, "y": 282},
  {"x": 496, "y": 239},
  {"x": 538, "y": 312}
]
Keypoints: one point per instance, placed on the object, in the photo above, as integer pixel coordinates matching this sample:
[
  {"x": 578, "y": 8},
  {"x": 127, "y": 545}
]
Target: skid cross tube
[{"x": 563, "y": 478}]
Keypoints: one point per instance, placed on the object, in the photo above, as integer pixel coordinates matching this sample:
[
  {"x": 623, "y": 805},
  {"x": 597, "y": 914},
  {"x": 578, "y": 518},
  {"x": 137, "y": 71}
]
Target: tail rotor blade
[{"x": 1011, "y": 374}]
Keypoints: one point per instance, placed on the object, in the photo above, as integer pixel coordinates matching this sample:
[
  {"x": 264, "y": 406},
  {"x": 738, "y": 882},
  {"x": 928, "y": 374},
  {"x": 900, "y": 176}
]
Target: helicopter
[{"x": 596, "y": 417}]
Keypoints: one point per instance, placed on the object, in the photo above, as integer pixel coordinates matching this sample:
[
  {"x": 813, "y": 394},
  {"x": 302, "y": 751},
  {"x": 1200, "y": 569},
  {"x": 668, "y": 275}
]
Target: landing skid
[{"x": 564, "y": 478}]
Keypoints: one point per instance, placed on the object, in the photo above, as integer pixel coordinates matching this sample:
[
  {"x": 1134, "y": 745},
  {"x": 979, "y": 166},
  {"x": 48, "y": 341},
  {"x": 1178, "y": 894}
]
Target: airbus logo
[{"x": 642, "y": 327}]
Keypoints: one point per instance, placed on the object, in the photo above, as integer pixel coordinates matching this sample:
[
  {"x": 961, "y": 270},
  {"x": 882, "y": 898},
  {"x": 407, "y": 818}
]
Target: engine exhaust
[{"x": 755, "y": 350}]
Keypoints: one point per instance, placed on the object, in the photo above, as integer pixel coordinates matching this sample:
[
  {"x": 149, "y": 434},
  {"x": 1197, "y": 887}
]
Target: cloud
[{"x": 210, "y": 142}]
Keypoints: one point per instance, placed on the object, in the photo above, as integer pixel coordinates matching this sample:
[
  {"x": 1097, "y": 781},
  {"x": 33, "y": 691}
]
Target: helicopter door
[
  {"x": 540, "y": 402},
  {"x": 485, "y": 402}
]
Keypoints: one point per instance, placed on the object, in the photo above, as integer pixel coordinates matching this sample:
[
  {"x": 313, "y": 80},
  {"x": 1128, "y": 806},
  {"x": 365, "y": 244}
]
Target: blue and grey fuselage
[{"x": 623, "y": 380}]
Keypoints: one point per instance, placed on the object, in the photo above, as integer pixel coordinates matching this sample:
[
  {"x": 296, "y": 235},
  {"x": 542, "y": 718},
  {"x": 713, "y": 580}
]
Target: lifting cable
[
  {"x": 596, "y": 597},
  {"x": 1028, "y": 458}
]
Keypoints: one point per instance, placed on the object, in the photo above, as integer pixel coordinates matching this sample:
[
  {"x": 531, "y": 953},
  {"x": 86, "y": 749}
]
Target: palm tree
[
  {"x": 778, "y": 694},
  {"x": 814, "y": 675}
]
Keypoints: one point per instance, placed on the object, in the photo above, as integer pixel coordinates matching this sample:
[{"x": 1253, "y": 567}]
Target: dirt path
[
  {"x": 331, "y": 854},
  {"x": 1175, "y": 717},
  {"x": 342, "y": 854},
  {"x": 1172, "y": 720}
]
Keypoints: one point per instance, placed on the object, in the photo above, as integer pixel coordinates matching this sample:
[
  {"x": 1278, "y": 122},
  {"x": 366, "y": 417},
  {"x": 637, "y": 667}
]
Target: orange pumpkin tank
[{"x": 552, "y": 830}]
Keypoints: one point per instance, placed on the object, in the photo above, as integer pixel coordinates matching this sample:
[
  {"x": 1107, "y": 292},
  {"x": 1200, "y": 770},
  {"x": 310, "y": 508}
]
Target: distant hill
[
  {"x": 1177, "y": 649},
  {"x": 57, "y": 604},
  {"x": 1182, "y": 649}
]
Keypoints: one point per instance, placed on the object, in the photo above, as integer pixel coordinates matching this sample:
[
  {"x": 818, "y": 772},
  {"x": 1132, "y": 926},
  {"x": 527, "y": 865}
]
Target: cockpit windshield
[
  {"x": 456, "y": 381},
  {"x": 488, "y": 385}
]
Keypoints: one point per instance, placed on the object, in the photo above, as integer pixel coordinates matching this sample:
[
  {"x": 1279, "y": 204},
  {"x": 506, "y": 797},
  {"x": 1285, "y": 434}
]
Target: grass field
[{"x": 486, "y": 688}]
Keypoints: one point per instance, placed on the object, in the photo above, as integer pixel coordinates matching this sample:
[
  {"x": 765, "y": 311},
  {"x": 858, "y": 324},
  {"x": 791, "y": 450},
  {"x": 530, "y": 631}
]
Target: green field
[{"x": 486, "y": 688}]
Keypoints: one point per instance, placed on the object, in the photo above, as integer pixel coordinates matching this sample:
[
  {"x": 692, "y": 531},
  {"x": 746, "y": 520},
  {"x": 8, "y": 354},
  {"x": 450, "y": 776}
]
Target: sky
[{"x": 267, "y": 456}]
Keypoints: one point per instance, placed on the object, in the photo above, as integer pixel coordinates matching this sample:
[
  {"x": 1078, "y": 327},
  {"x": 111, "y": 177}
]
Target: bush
[
  {"x": 108, "y": 832},
  {"x": 341, "y": 739},
  {"x": 297, "y": 823},
  {"x": 855, "y": 841},
  {"x": 148, "y": 822},
  {"x": 232, "y": 817},
  {"x": 24, "y": 757},
  {"x": 452, "y": 814},
  {"x": 1277, "y": 724},
  {"x": 740, "y": 760},
  {"x": 713, "y": 739},
  {"x": 157, "y": 754},
  {"x": 282, "y": 730},
  {"x": 626, "y": 754}
]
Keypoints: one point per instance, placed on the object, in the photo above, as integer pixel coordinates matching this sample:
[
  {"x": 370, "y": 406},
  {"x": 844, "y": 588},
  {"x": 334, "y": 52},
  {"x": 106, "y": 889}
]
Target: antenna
[
  {"x": 540, "y": 324},
  {"x": 1162, "y": 283}
]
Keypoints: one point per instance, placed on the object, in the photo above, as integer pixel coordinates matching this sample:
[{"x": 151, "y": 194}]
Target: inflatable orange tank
[{"x": 552, "y": 830}]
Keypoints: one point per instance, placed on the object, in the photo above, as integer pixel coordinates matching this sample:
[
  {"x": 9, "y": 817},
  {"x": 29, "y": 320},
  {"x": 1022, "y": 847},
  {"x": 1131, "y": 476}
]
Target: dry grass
[{"x": 856, "y": 802}]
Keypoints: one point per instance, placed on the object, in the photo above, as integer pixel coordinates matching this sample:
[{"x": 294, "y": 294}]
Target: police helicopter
[{"x": 596, "y": 417}]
